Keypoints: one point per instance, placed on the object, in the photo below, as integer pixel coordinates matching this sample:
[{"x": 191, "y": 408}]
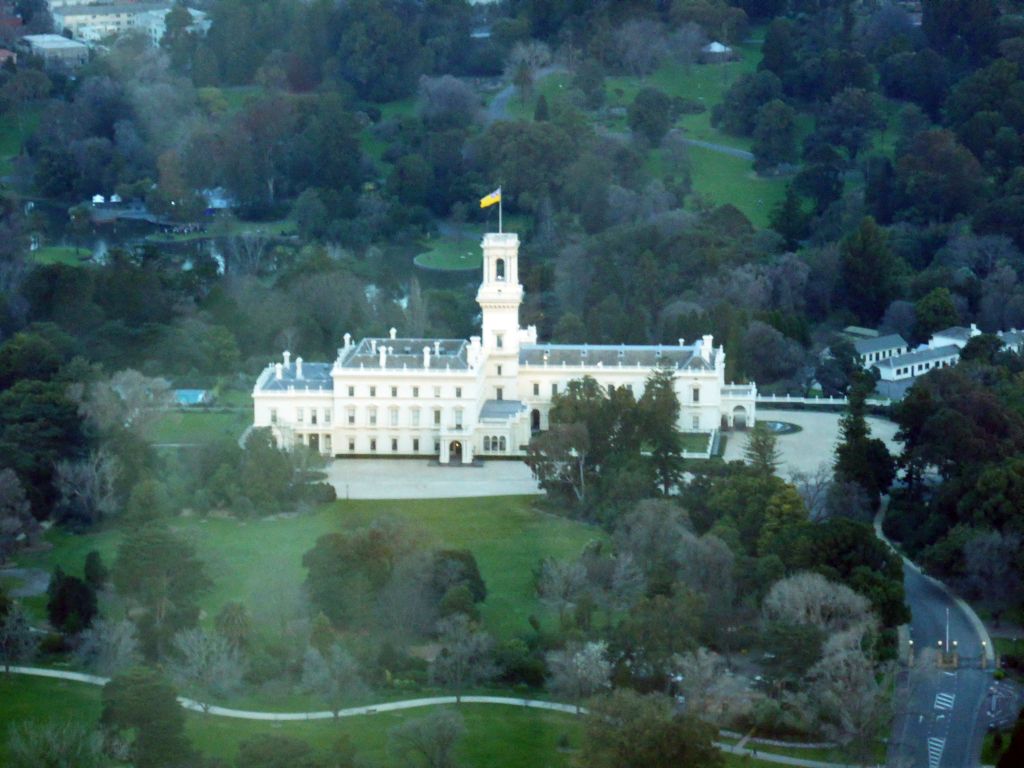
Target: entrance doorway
[
  {"x": 455, "y": 452},
  {"x": 314, "y": 443},
  {"x": 535, "y": 420},
  {"x": 739, "y": 417}
]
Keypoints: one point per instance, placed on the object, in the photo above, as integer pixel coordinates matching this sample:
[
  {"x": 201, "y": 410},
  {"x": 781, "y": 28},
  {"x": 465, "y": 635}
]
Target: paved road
[
  {"x": 393, "y": 706},
  {"x": 940, "y": 719},
  {"x": 720, "y": 148}
]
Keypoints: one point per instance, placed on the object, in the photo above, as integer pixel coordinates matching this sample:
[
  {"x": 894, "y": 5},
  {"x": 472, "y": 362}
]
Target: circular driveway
[
  {"x": 422, "y": 479},
  {"x": 814, "y": 445}
]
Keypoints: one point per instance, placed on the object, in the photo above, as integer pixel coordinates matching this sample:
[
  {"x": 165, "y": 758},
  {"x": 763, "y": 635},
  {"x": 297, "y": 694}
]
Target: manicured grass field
[
  {"x": 724, "y": 179},
  {"x": 451, "y": 254},
  {"x": 60, "y": 254},
  {"x": 185, "y": 427},
  {"x": 695, "y": 441},
  {"x": 14, "y": 131},
  {"x": 498, "y": 737},
  {"x": 259, "y": 562}
]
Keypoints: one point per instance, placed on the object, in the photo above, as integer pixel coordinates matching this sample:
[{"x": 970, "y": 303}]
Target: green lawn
[
  {"x": 15, "y": 127},
  {"x": 1005, "y": 645},
  {"x": 450, "y": 253},
  {"x": 723, "y": 179},
  {"x": 60, "y": 254},
  {"x": 695, "y": 441},
  {"x": 260, "y": 561},
  {"x": 497, "y": 737},
  {"x": 198, "y": 426},
  {"x": 457, "y": 252}
]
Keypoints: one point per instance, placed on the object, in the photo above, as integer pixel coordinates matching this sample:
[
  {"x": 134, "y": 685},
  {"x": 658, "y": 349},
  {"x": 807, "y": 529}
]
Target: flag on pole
[{"x": 491, "y": 199}]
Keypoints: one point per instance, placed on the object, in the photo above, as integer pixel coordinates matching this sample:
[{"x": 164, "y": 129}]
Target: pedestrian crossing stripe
[
  {"x": 935, "y": 749},
  {"x": 944, "y": 700}
]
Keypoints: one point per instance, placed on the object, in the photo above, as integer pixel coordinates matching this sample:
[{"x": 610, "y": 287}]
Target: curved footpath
[{"x": 394, "y": 706}]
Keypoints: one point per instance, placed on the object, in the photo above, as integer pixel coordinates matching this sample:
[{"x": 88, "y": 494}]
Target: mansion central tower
[{"x": 456, "y": 400}]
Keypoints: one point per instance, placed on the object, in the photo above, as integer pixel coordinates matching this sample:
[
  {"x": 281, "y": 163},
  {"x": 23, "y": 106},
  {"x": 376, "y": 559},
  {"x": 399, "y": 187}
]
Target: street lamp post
[{"x": 910, "y": 654}]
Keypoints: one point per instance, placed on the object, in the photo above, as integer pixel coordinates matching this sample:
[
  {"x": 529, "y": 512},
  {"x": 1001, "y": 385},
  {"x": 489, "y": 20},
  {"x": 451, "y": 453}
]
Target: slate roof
[
  {"x": 315, "y": 377},
  {"x": 920, "y": 356},
  {"x": 611, "y": 356},
  {"x": 880, "y": 343},
  {"x": 408, "y": 353},
  {"x": 955, "y": 332},
  {"x": 500, "y": 410},
  {"x": 1011, "y": 338}
]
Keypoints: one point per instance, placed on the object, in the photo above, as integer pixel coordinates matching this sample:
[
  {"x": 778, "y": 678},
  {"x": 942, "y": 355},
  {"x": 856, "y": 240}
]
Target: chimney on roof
[
  {"x": 706, "y": 345},
  {"x": 298, "y": 367},
  {"x": 278, "y": 371},
  {"x": 393, "y": 333},
  {"x": 373, "y": 346},
  {"x": 426, "y": 357},
  {"x": 348, "y": 340},
  {"x": 383, "y": 356},
  {"x": 437, "y": 347},
  {"x": 287, "y": 358},
  {"x": 682, "y": 342}
]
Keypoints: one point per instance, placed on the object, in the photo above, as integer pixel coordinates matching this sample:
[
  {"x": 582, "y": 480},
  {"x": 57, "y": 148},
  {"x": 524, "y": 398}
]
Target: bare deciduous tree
[
  {"x": 248, "y": 253},
  {"x": 17, "y": 526},
  {"x": 810, "y": 598},
  {"x": 641, "y": 46},
  {"x": 850, "y": 696},
  {"x": 87, "y": 487},
  {"x": 628, "y": 583},
  {"x": 466, "y": 656},
  {"x": 580, "y": 670},
  {"x": 532, "y": 54},
  {"x": 108, "y": 647},
  {"x": 128, "y": 400},
  {"x": 333, "y": 676},
  {"x": 813, "y": 488},
  {"x": 711, "y": 692},
  {"x": 206, "y": 665},
  {"x": 427, "y": 742},
  {"x": 17, "y": 643},
  {"x": 37, "y": 744},
  {"x": 562, "y": 584},
  {"x": 447, "y": 101}
]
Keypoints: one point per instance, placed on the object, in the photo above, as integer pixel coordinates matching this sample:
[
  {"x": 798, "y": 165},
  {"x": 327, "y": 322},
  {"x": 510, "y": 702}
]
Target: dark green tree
[
  {"x": 142, "y": 703},
  {"x": 867, "y": 272},
  {"x": 774, "y": 135},
  {"x": 934, "y": 311},
  {"x": 650, "y": 115},
  {"x": 159, "y": 572},
  {"x": 96, "y": 572},
  {"x": 71, "y": 606},
  {"x": 789, "y": 218},
  {"x": 861, "y": 458},
  {"x": 659, "y": 414}
]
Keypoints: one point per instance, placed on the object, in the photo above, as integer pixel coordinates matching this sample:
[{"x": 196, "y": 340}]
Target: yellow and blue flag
[{"x": 491, "y": 199}]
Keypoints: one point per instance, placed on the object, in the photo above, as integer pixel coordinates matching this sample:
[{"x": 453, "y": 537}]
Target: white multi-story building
[{"x": 455, "y": 399}]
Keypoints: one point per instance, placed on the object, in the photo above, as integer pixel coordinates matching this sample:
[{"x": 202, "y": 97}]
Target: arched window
[
  {"x": 501, "y": 443},
  {"x": 487, "y": 443},
  {"x": 499, "y": 269}
]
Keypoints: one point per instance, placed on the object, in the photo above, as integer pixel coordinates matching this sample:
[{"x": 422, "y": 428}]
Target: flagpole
[{"x": 499, "y": 210}]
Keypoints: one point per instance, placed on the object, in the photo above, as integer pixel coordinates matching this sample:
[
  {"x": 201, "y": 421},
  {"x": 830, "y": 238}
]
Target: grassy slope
[
  {"x": 60, "y": 254},
  {"x": 496, "y": 737},
  {"x": 198, "y": 426},
  {"x": 14, "y": 132},
  {"x": 260, "y": 562},
  {"x": 502, "y": 737}
]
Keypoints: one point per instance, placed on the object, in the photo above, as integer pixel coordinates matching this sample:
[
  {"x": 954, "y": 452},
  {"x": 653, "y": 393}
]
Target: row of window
[
  {"x": 874, "y": 357},
  {"x": 694, "y": 391},
  {"x": 494, "y": 443},
  {"x": 394, "y": 390},
  {"x": 913, "y": 370},
  {"x": 392, "y": 417}
]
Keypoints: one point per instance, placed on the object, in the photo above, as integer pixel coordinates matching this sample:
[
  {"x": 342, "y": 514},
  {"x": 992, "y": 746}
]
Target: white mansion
[{"x": 454, "y": 400}]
